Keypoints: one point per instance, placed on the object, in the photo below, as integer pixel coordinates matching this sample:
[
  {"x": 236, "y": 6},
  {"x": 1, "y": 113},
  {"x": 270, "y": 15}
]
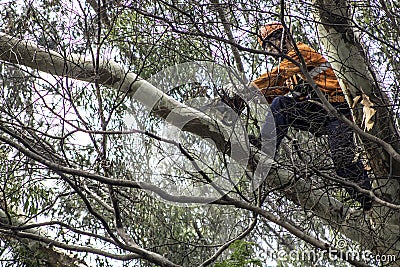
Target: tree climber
[{"x": 300, "y": 110}]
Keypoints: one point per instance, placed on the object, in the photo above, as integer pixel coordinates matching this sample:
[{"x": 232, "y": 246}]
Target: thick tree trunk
[{"x": 357, "y": 78}]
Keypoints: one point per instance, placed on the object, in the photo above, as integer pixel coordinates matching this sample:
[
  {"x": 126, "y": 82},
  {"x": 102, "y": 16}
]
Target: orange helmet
[{"x": 267, "y": 30}]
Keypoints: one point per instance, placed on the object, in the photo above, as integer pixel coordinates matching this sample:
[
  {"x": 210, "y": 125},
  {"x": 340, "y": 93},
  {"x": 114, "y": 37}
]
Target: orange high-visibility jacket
[{"x": 275, "y": 82}]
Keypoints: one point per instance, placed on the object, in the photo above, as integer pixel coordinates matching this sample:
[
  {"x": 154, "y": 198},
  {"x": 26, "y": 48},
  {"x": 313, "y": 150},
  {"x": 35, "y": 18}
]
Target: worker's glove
[
  {"x": 235, "y": 102},
  {"x": 230, "y": 97},
  {"x": 237, "y": 96}
]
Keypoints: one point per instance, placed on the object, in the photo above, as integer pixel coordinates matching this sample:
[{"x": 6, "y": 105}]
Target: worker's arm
[{"x": 271, "y": 83}]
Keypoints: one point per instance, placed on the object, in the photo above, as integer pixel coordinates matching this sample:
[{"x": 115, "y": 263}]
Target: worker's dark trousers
[{"x": 311, "y": 117}]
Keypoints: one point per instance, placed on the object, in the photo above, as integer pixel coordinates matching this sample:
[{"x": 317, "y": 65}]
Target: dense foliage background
[{"x": 59, "y": 130}]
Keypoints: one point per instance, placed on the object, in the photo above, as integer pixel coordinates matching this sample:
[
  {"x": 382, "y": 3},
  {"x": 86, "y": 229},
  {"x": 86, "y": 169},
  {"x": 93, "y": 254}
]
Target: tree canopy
[{"x": 114, "y": 149}]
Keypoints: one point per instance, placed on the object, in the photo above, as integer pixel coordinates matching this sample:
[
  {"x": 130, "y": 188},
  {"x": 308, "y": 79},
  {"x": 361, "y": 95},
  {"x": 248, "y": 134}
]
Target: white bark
[{"x": 357, "y": 77}]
